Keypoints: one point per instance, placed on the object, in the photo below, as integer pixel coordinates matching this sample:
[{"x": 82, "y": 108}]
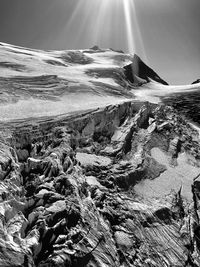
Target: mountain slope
[
  {"x": 56, "y": 82},
  {"x": 71, "y": 77}
]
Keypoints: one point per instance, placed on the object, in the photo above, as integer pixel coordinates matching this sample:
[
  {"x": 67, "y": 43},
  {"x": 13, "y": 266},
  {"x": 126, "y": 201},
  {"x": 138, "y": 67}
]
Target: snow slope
[
  {"x": 45, "y": 83},
  {"x": 154, "y": 92}
]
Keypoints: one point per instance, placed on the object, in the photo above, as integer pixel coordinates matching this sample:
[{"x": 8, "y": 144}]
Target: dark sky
[{"x": 169, "y": 29}]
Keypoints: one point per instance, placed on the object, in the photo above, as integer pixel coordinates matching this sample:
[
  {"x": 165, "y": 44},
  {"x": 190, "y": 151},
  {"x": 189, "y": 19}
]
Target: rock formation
[
  {"x": 197, "y": 81},
  {"x": 138, "y": 71}
]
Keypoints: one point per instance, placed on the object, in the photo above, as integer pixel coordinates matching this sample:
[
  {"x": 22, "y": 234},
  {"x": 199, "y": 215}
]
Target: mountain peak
[
  {"x": 139, "y": 69},
  {"x": 197, "y": 81}
]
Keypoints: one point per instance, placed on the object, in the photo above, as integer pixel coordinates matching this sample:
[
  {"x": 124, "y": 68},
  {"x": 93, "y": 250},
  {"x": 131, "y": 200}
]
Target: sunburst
[{"x": 107, "y": 23}]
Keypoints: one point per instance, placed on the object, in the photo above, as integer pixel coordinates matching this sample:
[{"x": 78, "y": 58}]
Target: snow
[
  {"x": 173, "y": 178},
  {"x": 81, "y": 92},
  {"x": 153, "y": 91},
  {"x": 79, "y": 85}
]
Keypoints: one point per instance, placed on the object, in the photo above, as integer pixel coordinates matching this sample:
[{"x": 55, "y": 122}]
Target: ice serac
[
  {"x": 72, "y": 189},
  {"x": 138, "y": 71}
]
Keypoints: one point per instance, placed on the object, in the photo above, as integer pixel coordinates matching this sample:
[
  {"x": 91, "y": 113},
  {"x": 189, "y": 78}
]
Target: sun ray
[
  {"x": 102, "y": 22},
  {"x": 74, "y": 14},
  {"x": 140, "y": 48},
  {"x": 129, "y": 26}
]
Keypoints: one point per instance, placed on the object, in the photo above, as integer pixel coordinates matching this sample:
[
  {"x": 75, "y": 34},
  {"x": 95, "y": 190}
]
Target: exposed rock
[{"x": 139, "y": 72}]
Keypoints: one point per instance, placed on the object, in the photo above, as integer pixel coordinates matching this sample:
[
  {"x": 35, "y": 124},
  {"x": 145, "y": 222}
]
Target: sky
[{"x": 164, "y": 33}]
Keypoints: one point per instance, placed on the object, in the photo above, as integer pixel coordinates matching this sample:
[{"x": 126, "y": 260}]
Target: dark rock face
[
  {"x": 69, "y": 190},
  {"x": 138, "y": 69},
  {"x": 197, "y": 81}
]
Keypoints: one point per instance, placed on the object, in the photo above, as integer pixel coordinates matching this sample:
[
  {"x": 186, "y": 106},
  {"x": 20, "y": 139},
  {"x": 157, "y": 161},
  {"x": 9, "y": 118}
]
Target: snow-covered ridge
[
  {"x": 32, "y": 80},
  {"x": 44, "y": 83}
]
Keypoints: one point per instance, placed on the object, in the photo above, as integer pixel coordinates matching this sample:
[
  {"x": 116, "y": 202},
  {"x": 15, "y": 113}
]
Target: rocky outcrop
[
  {"x": 197, "y": 81},
  {"x": 69, "y": 189},
  {"x": 138, "y": 72}
]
